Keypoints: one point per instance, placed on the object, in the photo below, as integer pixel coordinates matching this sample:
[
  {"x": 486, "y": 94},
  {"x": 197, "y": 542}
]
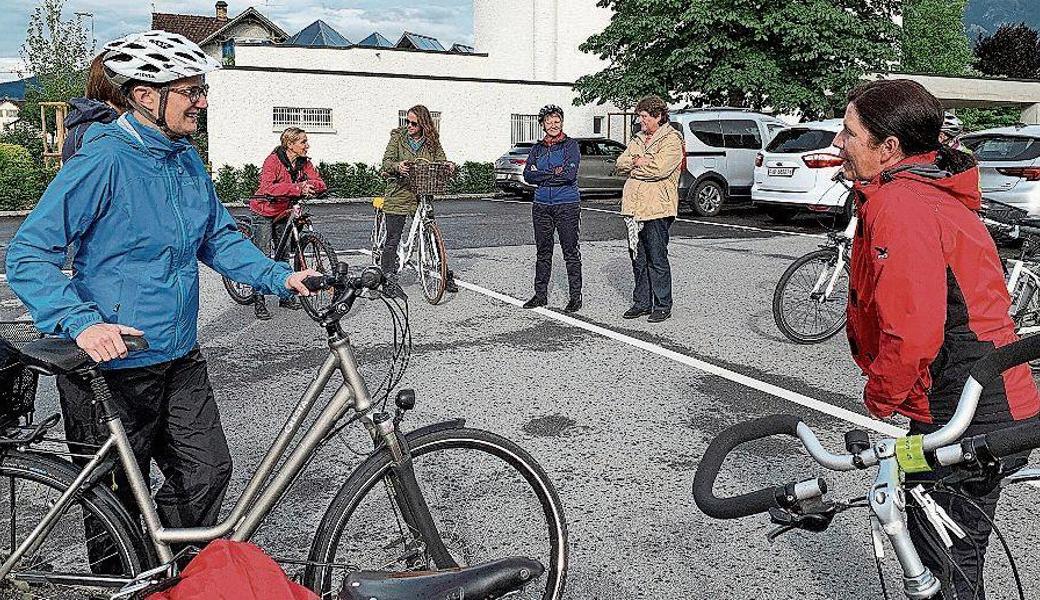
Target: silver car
[
  {"x": 1009, "y": 164},
  {"x": 596, "y": 174}
]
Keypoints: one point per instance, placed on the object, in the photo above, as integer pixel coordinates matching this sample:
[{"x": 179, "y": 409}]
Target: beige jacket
[{"x": 652, "y": 190}]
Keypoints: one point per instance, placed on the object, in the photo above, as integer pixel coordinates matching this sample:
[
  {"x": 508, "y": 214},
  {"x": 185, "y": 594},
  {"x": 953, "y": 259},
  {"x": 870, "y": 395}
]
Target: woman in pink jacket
[{"x": 287, "y": 173}]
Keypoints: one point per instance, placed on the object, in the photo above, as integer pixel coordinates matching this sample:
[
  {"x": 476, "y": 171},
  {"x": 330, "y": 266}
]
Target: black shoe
[
  {"x": 574, "y": 305},
  {"x": 290, "y": 304},
  {"x": 659, "y": 315},
  {"x": 260, "y": 309},
  {"x": 450, "y": 286},
  {"x": 635, "y": 312},
  {"x": 536, "y": 301}
]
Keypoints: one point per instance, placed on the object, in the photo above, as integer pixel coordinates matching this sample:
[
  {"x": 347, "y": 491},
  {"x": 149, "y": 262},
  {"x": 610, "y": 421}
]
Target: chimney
[{"x": 222, "y": 11}]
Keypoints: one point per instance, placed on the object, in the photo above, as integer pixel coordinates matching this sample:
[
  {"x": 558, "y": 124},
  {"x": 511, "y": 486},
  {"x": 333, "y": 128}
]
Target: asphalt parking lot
[{"x": 618, "y": 412}]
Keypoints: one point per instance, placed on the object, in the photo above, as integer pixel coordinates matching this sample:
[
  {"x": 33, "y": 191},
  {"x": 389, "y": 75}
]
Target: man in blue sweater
[{"x": 552, "y": 165}]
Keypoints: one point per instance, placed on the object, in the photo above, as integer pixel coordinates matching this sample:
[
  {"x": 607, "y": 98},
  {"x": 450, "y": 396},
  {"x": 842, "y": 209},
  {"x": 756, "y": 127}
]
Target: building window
[
  {"x": 597, "y": 125},
  {"x": 310, "y": 119},
  {"x": 402, "y": 116},
  {"x": 524, "y": 128}
]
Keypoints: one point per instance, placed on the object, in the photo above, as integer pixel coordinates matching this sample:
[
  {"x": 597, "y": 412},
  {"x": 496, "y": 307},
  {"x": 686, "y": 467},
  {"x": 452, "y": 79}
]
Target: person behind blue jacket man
[
  {"x": 552, "y": 165},
  {"x": 138, "y": 201}
]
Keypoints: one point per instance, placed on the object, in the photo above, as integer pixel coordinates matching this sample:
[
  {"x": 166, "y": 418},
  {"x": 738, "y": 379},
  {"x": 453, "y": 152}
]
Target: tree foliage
[
  {"x": 934, "y": 40},
  {"x": 57, "y": 52},
  {"x": 791, "y": 56},
  {"x": 1012, "y": 51}
]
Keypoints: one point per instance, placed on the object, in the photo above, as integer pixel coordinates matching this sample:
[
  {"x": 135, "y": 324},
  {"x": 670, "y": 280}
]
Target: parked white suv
[
  {"x": 1009, "y": 164},
  {"x": 796, "y": 172},
  {"x": 721, "y": 145}
]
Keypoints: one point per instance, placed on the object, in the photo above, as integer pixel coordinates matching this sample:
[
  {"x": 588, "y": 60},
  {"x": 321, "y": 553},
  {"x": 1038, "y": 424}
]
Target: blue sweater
[{"x": 542, "y": 162}]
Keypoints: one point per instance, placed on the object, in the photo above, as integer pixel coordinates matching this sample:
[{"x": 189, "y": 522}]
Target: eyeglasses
[
  {"x": 411, "y": 123},
  {"x": 193, "y": 93}
]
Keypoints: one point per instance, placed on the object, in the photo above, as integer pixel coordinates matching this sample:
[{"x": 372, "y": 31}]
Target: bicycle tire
[
  {"x": 378, "y": 237},
  {"x": 315, "y": 252},
  {"x": 241, "y": 293},
  {"x": 63, "y": 556},
  {"x": 433, "y": 263},
  {"x": 785, "y": 299},
  {"x": 337, "y": 526}
]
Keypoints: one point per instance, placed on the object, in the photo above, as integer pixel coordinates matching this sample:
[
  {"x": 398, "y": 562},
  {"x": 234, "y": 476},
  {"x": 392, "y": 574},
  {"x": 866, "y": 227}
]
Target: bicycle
[
  {"x": 809, "y": 300},
  {"x": 428, "y": 502},
  {"x": 425, "y": 179},
  {"x": 802, "y": 505},
  {"x": 298, "y": 240}
]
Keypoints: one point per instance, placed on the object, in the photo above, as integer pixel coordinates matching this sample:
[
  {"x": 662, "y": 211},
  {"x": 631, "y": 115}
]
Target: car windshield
[
  {"x": 521, "y": 148},
  {"x": 800, "y": 139},
  {"x": 1003, "y": 147}
]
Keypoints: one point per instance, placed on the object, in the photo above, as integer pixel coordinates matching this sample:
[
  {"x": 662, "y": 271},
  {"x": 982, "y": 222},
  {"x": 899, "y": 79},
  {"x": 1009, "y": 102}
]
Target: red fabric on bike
[
  {"x": 927, "y": 299},
  {"x": 275, "y": 181},
  {"x": 227, "y": 570}
]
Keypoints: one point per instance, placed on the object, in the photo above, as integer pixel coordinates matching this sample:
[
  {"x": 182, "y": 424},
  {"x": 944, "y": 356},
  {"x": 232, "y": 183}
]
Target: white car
[{"x": 796, "y": 172}]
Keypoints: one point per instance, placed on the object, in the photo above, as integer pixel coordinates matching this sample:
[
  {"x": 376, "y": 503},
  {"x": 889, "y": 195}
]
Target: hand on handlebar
[
  {"x": 307, "y": 189},
  {"x": 104, "y": 341},
  {"x": 295, "y": 281},
  {"x": 403, "y": 167}
]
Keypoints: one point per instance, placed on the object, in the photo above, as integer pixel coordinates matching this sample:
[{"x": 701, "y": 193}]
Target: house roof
[
  {"x": 318, "y": 33},
  {"x": 462, "y": 49},
  {"x": 203, "y": 29},
  {"x": 419, "y": 42},
  {"x": 376, "y": 41}
]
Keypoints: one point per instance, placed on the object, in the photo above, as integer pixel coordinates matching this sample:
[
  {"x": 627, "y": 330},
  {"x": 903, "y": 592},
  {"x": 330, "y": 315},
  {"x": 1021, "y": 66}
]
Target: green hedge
[{"x": 22, "y": 179}]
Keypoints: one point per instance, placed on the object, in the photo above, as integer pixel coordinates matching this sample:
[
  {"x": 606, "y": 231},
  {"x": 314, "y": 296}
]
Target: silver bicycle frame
[
  {"x": 407, "y": 247},
  {"x": 260, "y": 495},
  {"x": 1018, "y": 272}
]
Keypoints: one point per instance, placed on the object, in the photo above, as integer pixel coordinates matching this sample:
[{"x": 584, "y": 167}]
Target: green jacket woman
[{"x": 403, "y": 147}]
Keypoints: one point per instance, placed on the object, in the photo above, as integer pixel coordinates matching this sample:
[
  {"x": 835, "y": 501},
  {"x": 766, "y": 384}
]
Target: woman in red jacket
[{"x": 287, "y": 173}]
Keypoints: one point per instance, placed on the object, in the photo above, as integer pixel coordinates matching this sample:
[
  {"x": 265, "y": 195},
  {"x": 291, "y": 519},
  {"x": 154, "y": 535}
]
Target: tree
[
  {"x": 791, "y": 56},
  {"x": 57, "y": 53},
  {"x": 1013, "y": 51},
  {"x": 934, "y": 40}
]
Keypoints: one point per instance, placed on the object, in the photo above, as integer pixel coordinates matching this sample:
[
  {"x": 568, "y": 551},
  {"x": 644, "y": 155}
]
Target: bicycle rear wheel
[
  {"x": 92, "y": 546},
  {"x": 241, "y": 293},
  {"x": 433, "y": 262},
  {"x": 488, "y": 497},
  {"x": 378, "y": 237},
  {"x": 801, "y": 310},
  {"x": 318, "y": 254}
]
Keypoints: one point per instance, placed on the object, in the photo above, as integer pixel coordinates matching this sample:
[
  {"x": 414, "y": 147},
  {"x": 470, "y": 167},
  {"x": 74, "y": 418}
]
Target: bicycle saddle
[
  {"x": 484, "y": 581},
  {"x": 59, "y": 356}
]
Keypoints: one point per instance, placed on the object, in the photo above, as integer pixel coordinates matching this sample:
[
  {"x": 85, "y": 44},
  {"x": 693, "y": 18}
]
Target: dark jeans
[
  {"x": 170, "y": 415},
  {"x": 265, "y": 232},
  {"x": 565, "y": 220},
  {"x": 394, "y": 230},
  {"x": 650, "y": 266},
  {"x": 955, "y": 586}
]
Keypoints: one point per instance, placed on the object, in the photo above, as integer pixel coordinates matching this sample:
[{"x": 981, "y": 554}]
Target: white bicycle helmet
[
  {"x": 952, "y": 126},
  {"x": 155, "y": 57}
]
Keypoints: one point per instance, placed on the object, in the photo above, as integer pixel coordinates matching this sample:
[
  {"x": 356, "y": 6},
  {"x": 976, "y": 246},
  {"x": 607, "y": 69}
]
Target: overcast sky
[{"x": 450, "y": 21}]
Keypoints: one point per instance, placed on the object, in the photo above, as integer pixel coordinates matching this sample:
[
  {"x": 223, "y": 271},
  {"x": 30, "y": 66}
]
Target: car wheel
[
  {"x": 779, "y": 215},
  {"x": 707, "y": 198}
]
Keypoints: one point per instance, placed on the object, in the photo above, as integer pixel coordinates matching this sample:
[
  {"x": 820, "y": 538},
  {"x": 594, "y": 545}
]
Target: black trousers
[
  {"x": 394, "y": 230},
  {"x": 650, "y": 267},
  {"x": 564, "y": 220},
  {"x": 266, "y": 232},
  {"x": 170, "y": 415}
]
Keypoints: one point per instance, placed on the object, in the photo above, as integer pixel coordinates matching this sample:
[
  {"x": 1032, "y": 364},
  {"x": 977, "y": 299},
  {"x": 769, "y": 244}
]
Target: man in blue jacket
[
  {"x": 552, "y": 165},
  {"x": 137, "y": 200}
]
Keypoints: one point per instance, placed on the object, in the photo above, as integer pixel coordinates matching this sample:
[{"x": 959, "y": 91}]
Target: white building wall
[
  {"x": 365, "y": 60},
  {"x": 475, "y": 121},
  {"x": 504, "y": 30}
]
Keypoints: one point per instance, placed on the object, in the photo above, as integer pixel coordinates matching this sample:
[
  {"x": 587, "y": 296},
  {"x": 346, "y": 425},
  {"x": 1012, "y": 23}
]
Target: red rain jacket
[
  {"x": 277, "y": 181},
  {"x": 927, "y": 297}
]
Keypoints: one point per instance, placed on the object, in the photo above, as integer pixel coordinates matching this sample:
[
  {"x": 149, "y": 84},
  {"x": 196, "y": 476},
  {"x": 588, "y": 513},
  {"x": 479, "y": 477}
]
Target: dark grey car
[{"x": 596, "y": 173}]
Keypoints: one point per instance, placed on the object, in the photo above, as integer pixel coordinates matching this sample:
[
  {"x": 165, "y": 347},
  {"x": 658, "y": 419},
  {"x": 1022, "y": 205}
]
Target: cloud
[{"x": 10, "y": 68}]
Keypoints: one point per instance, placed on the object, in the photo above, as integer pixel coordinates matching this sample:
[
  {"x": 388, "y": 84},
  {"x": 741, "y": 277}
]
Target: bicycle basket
[
  {"x": 429, "y": 178},
  {"x": 17, "y": 383}
]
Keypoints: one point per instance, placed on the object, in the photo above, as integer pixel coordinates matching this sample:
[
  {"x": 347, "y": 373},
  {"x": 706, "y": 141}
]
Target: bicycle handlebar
[{"x": 370, "y": 278}]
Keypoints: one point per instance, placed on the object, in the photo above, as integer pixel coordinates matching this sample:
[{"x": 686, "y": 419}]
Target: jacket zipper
[{"x": 176, "y": 271}]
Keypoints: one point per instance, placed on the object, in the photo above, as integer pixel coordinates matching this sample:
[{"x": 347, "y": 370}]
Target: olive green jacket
[{"x": 399, "y": 200}]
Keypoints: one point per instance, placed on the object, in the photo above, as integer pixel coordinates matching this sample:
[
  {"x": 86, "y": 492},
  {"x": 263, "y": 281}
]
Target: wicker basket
[
  {"x": 17, "y": 383},
  {"x": 429, "y": 178}
]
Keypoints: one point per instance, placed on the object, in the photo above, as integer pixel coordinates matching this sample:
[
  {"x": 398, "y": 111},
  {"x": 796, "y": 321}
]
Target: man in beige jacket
[{"x": 653, "y": 162}]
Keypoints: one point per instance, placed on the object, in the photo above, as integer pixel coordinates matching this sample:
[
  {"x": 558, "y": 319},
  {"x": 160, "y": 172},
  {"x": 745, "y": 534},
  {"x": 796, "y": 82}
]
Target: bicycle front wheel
[
  {"x": 488, "y": 497},
  {"x": 93, "y": 545},
  {"x": 802, "y": 309},
  {"x": 433, "y": 263},
  {"x": 241, "y": 293},
  {"x": 316, "y": 253}
]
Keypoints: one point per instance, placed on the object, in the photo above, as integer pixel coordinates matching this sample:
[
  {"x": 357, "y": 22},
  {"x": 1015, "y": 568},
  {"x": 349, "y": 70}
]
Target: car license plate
[
  {"x": 501, "y": 175},
  {"x": 781, "y": 171}
]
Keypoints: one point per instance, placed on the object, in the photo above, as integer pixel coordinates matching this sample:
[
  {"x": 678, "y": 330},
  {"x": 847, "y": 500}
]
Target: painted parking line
[{"x": 694, "y": 221}]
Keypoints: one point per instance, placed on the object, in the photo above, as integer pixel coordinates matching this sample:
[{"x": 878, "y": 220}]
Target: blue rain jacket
[{"x": 542, "y": 162}]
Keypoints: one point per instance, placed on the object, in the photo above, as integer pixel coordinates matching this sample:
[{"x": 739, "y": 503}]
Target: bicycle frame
[
  {"x": 415, "y": 240},
  {"x": 844, "y": 246},
  {"x": 268, "y": 484},
  {"x": 293, "y": 217}
]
